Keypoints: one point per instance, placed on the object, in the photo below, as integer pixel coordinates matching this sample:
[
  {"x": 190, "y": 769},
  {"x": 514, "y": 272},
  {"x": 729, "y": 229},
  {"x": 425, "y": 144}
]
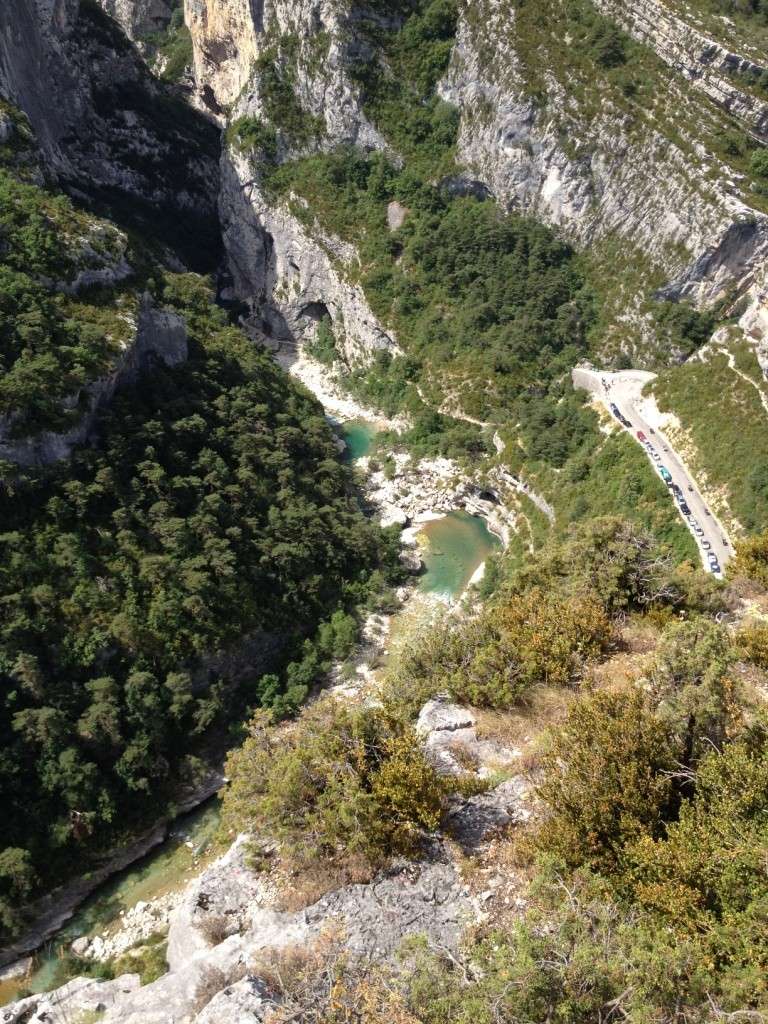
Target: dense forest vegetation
[{"x": 210, "y": 509}]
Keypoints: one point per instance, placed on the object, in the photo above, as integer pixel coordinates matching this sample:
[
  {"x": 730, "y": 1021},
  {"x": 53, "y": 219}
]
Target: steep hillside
[{"x": 176, "y": 518}]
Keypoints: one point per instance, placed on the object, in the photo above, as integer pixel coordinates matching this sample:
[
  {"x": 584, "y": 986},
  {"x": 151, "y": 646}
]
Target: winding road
[{"x": 624, "y": 390}]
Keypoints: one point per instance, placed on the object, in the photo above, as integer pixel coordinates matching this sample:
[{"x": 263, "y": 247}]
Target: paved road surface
[{"x": 624, "y": 389}]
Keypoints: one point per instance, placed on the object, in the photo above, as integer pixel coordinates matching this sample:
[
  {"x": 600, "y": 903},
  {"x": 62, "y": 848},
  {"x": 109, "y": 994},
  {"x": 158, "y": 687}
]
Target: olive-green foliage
[
  {"x": 607, "y": 476},
  {"x": 399, "y": 84},
  {"x": 753, "y": 643},
  {"x": 621, "y": 564},
  {"x": 174, "y": 48},
  {"x": 495, "y": 658},
  {"x": 323, "y": 345},
  {"x": 249, "y": 134},
  {"x": 751, "y": 561},
  {"x": 342, "y": 782},
  {"x": 51, "y": 345},
  {"x": 605, "y": 780},
  {"x": 473, "y": 295},
  {"x": 275, "y": 75},
  {"x": 709, "y": 867},
  {"x": 212, "y": 506},
  {"x": 578, "y": 956},
  {"x": 147, "y": 959},
  {"x": 693, "y": 687}
]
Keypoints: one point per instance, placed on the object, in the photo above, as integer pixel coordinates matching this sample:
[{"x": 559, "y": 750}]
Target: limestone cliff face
[
  {"x": 159, "y": 334},
  {"x": 708, "y": 65},
  {"x": 292, "y": 273},
  {"x": 139, "y": 18},
  {"x": 229, "y": 36},
  {"x": 106, "y": 128},
  {"x": 599, "y": 175}
]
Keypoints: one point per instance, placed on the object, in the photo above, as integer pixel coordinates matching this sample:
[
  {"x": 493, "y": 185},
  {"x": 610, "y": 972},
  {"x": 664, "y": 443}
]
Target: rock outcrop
[
  {"x": 159, "y": 334},
  {"x": 209, "y": 977},
  {"x": 291, "y": 274}
]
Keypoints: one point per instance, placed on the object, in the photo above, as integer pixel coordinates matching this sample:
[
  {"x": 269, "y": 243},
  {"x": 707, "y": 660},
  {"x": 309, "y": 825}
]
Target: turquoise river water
[{"x": 162, "y": 870}]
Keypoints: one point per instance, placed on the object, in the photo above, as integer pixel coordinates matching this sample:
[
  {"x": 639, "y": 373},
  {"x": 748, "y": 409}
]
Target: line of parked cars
[
  {"x": 693, "y": 524},
  {"x": 695, "y": 527},
  {"x": 618, "y": 414}
]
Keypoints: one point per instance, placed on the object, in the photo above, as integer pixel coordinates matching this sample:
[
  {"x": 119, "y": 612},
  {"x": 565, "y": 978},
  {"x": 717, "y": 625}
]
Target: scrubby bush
[
  {"x": 493, "y": 659},
  {"x": 708, "y": 869},
  {"x": 751, "y": 561},
  {"x": 693, "y": 688},
  {"x": 605, "y": 781},
  {"x": 752, "y": 641},
  {"x": 340, "y": 784}
]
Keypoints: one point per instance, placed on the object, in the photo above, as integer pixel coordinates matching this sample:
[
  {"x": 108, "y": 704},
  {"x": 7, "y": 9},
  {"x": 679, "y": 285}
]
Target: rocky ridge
[{"x": 157, "y": 334}]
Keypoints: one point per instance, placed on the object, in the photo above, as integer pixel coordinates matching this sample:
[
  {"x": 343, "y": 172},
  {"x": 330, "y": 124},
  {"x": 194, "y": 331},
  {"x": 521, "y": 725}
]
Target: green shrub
[
  {"x": 606, "y": 781},
  {"x": 693, "y": 687},
  {"x": 751, "y": 561},
  {"x": 495, "y": 658},
  {"x": 341, "y": 783}
]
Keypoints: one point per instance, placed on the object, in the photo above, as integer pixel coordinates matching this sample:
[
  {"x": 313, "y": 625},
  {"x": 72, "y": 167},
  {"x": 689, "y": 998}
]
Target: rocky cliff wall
[
  {"x": 159, "y": 334},
  {"x": 291, "y": 274},
  {"x": 230, "y": 36},
  {"x": 139, "y": 18},
  {"x": 710, "y": 66},
  {"x": 107, "y": 130},
  {"x": 603, "y": 174}
]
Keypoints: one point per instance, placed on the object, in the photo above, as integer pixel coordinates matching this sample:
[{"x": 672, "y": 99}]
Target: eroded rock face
[
  {"x": 112, "y": 132},
  {"x": 639, "y": 186},
  {"x": 74, "y": 1000},
  {"x": 160, "y": 335},
  {"x": 292, "y": 276},
  {"x": 710, "y": 67},
  {"x": 229, "y": 36},
  {"x": 139, "y": 18}
]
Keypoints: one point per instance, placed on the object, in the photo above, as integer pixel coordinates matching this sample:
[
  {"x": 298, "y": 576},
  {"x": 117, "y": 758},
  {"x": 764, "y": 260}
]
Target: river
[{"x": 165, "y": 869}]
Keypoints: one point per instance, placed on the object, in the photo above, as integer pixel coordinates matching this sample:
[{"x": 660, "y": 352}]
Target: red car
[{"x": 640, "y": 436}]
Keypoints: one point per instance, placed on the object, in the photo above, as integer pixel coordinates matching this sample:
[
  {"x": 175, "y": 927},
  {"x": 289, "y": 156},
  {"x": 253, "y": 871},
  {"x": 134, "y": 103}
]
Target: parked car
[
  {"x": 626, "y": 422},
  {"x": 677, "y": 492},
  {"x": 615, "y": 410},
  {"x": 706, "y": 546},
  {"x": 665, "y": 475},
  {"x": 684, "y": 509},
  {"x": 698, "y": 530},
  {"x": 640, "y": 436}
]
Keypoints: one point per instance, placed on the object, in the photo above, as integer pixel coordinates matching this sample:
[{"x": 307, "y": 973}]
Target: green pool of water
[
  {"x": 162, "y": 870},
  {"x": 456, "y": 546},
  {"x": 359, "y": 436}
]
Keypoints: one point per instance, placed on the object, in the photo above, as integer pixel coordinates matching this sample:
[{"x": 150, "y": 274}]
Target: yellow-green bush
[{"x": 340, "y": 782}]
